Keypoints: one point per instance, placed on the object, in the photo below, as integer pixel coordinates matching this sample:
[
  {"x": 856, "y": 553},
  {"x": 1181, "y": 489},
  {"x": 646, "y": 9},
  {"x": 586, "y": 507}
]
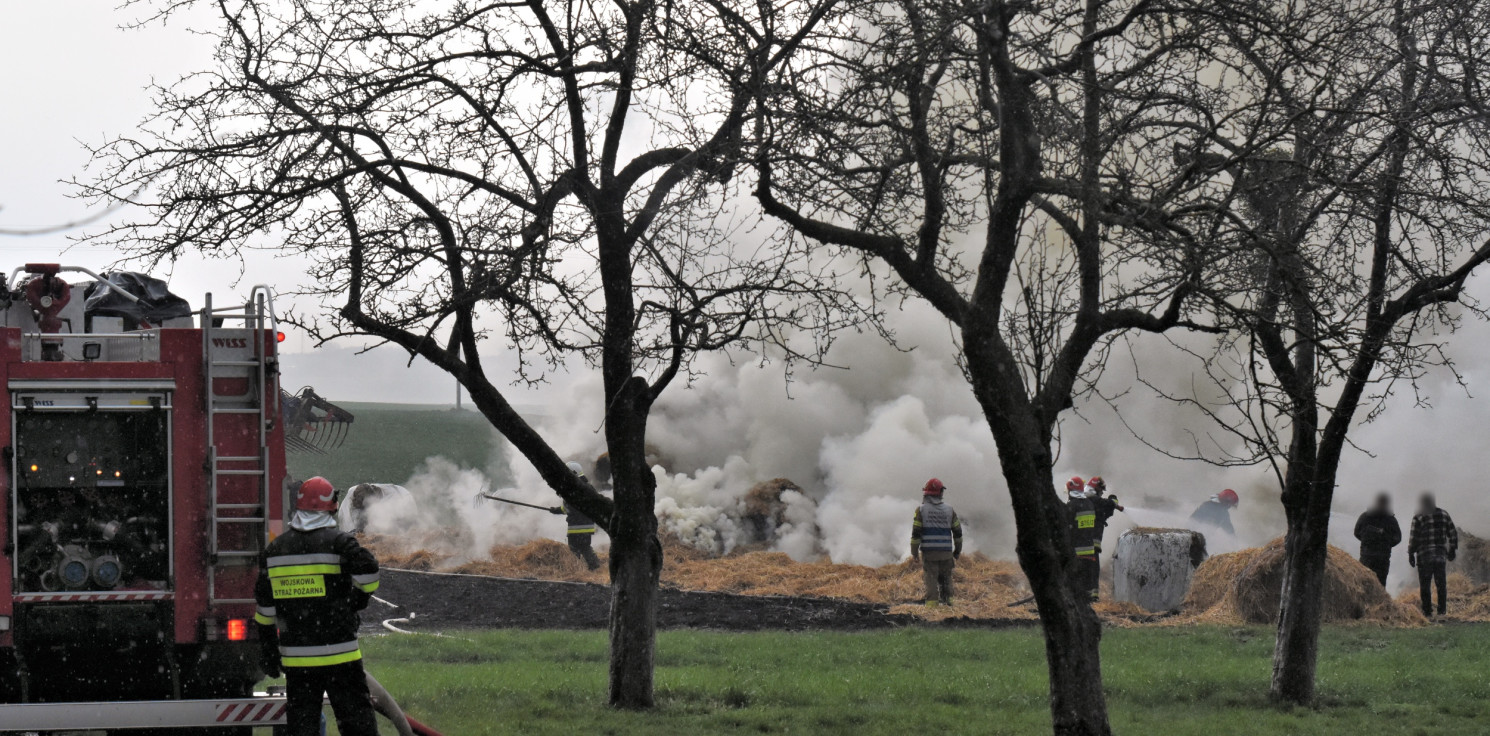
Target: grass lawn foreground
[{"x": 1206, "y": 681}]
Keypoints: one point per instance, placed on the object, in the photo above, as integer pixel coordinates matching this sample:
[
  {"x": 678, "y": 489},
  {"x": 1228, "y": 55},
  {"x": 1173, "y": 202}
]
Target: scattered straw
[
  {"x": 1235, "y": 588},
  {"x": 1468, "y": 602}
]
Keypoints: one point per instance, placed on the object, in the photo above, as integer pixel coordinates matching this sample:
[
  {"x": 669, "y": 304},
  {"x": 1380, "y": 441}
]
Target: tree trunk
[
  {"x": 1296, "y": 651},
  {"x": 1073, "y": 657},
  {"x": 1077, "y": 704},
  {"x": 636, "y": 553},
  {"x": 635, "y": 565}
]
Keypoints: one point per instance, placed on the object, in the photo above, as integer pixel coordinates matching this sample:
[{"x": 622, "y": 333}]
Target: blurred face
[
  {"x": 1383, "y": 502},
  {"x": 1427, "y": 503}
]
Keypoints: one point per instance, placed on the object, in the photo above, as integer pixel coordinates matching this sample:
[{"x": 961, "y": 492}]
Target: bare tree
[
  {"x": 546, "y": 175},
  {"x": 1358, "y": 150},
  {"x": 1028, "y": 169}
]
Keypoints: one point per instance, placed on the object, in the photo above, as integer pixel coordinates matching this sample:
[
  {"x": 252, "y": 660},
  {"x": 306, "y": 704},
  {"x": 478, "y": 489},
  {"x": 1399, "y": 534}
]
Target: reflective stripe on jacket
[
  {"x": 310, "y": 588},
  {"x": 578, "y": 522}
]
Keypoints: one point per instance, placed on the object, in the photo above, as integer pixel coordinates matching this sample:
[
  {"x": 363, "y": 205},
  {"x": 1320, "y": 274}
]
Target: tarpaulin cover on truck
[{"x": 156, "y": 302}]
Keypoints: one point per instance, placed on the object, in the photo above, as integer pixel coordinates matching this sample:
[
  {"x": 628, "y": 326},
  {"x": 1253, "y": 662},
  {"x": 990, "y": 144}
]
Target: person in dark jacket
[
  {"x": 313, "y": 581},
  {"x": 1431, "y": 545},
  {"x": 1379, "y": 533},
  {"x": 581, "y": 528},
  {"x": 1217, "y": 511},
  {"x": 1086, "y": 576},
  {"x": 936, "y": 540}
]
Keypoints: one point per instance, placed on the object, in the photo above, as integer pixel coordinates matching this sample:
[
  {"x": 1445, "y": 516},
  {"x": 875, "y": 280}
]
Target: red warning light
[
  {"x": 237, "y": 629},
  {"x": 279, "y": 337}
]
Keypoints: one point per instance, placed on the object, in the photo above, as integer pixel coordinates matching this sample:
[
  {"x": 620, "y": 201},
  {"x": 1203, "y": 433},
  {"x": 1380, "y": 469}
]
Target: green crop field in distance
[{"x": 387, "y": 442}]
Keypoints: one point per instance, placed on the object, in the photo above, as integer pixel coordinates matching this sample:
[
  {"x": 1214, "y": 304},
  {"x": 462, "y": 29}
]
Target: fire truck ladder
[{"x": 255, "y": 317}]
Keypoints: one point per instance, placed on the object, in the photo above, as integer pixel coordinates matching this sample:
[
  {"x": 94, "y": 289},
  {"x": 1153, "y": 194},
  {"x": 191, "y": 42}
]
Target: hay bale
[
  {"x": 1246, "y": 587},
  {"x": 1153, "y": 567},
  {"x": 1473, "y": 558}
]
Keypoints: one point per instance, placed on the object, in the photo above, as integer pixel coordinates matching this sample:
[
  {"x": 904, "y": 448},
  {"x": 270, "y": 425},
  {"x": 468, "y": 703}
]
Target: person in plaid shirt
[{"x": 1430, "y": 547}]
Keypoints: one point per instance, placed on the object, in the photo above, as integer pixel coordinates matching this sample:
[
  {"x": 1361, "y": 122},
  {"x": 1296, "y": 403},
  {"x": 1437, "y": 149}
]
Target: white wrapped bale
[{"x": 1153, "y": 567}]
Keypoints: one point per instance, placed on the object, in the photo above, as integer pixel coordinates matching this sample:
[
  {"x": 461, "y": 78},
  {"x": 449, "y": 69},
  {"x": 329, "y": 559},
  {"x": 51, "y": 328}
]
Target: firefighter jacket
[
  {"x": 1216, "y": 514},
  {"x": 311, "y": 587},
  {"x": 578, "y": 522},
  {"x": 1105, "y": 506},
  {"x": 1083, "y": 516},
  {"x": 936, "y": 532}
]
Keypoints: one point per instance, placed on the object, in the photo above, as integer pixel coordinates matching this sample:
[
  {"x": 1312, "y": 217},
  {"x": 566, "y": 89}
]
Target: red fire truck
[{"x": 146, "y": 471}]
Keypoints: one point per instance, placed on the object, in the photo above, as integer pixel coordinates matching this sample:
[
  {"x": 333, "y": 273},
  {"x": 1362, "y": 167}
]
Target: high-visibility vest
[{"x": 936, "y": 522}]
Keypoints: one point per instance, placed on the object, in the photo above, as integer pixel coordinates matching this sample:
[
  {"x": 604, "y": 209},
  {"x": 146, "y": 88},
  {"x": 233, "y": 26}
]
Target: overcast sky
[{"x": 71, "y": 75}]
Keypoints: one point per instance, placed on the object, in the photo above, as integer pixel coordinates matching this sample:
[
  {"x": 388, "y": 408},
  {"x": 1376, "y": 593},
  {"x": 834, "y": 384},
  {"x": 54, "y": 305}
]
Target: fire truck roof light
[
  {"x": 237, "y": 629},
  {"x": 34, "y": 468},
  {"x": 279, "y": 337}
]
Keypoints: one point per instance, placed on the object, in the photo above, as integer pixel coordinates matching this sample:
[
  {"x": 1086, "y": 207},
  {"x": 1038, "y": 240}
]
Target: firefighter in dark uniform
[
  {"x": 1105, "y": 506},
  {"x": 313, "y": 581},
  {"x": 581, "y": 528},
  {"x": 1083, "y": 516}
]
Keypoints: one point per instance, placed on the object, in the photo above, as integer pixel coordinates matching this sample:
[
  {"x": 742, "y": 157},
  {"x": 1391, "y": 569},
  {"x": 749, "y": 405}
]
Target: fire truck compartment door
[{"x": 91, "y": 395}]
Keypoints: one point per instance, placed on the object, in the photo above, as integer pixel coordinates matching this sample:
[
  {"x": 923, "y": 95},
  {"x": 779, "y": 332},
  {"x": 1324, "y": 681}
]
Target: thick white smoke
[
  {"x": 444, "y": 499},
  {"x": 861, "y": 441}
]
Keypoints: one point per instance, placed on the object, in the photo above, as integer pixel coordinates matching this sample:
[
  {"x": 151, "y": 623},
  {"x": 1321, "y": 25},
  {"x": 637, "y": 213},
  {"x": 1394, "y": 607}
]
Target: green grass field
[
  {"x": 387, "y": 443},
  {"x": 1207, "y": 681}
]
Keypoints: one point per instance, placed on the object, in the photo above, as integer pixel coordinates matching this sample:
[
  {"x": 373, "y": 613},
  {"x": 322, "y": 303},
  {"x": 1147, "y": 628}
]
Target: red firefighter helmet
[
  {"x": 1075, "y": 484},
  {"x": 316, "y": 494},
  {"x": 1228, "y": 497},
  {"x": 1096, "y": 483},
  {"x": 933, "y": 487}
]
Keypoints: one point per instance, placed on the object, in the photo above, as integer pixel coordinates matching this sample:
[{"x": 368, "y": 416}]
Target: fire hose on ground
[{"x": 383, "y": 701}]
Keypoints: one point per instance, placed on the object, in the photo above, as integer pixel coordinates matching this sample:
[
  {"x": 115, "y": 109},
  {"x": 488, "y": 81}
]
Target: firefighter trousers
[
  {"x": 1086, "y": 577},
  {"x": 938, "y": 578},
  {"x": 344, "y": 684},
  {"x": 579, "y": 544}
]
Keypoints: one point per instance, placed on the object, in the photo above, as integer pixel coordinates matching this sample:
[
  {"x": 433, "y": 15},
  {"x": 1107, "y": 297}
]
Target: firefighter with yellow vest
[
  {"x": 581, "y": 527},
  {"x": 936, "y": 540},
  {"x": 313, "y": 581},
  {"x": 1083, "y": 515}
]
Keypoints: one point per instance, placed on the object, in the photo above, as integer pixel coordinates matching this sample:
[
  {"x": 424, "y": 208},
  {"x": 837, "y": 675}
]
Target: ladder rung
[
  {"x": 241, "y": 519},
  {"x": 255, "y": 410},
  {"x": 239, "y": 506},
  {"x": 237, "y": 554},
  {"x": 236, "y": 363},
  {"x": 238, "y": 458},
  {"x": 216, "y": 601},
  {"x": 220, "y": 471}
]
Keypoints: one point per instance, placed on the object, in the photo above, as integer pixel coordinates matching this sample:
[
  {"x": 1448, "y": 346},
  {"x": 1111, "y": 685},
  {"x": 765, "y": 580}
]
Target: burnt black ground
[{"x": 443, "y": 601}]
